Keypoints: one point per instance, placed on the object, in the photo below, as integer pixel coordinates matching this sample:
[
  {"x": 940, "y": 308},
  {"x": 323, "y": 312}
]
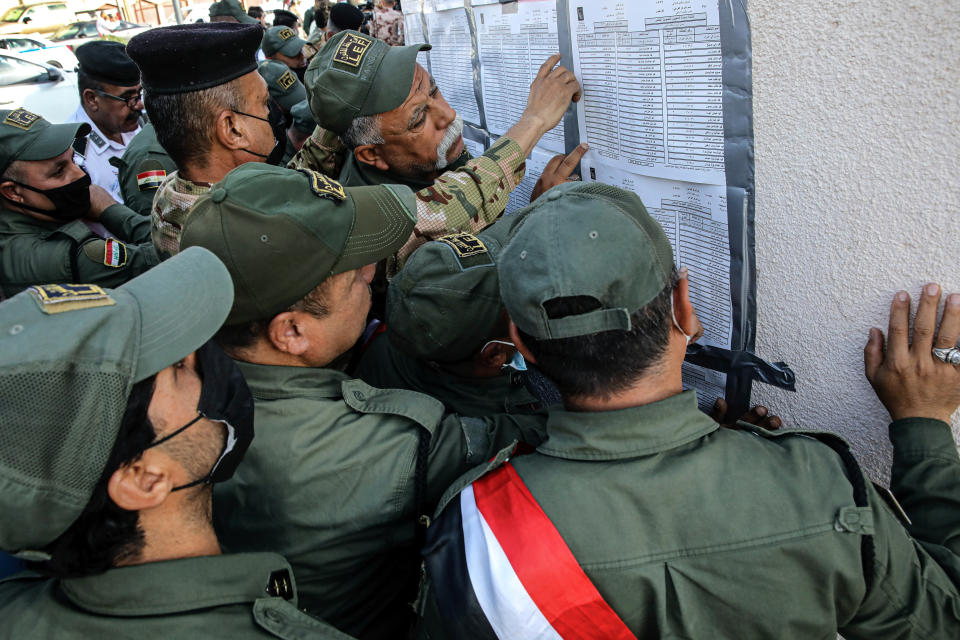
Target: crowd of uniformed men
[{"x": 467, "y": 425}]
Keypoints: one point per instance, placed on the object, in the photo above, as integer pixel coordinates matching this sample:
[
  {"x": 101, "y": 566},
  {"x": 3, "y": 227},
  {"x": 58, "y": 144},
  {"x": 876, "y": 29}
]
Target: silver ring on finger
[{"x": 950, "y": 356}]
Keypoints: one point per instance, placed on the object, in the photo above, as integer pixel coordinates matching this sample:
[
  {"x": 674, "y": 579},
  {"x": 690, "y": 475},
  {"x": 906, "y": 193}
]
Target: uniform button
[
  {"x": 556, "y": 195},
  {"x": 219, "y": 195},
  {"x": 273, "y": 616},
  {"x": 15, "y": 329},
  {"x": 516, "y": 379},
  {"x": 359, "y": 396}
]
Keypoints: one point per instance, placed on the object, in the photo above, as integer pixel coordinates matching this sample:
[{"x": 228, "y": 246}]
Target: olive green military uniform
[
  {"x": 385, "y": 367},
  {"x": 469, "y": 198},
  {"x": 232, "y": 597},
  {"x": 330, "y": 482},
  {"x": 373, "y": 78},
  {"x": 143, "y": 166},
  {"x": 38, "y": 252},
  {"x": 442, "y": 309},
  {"x": 701, "y": 532},
  {"x": 339, "y": 471}
]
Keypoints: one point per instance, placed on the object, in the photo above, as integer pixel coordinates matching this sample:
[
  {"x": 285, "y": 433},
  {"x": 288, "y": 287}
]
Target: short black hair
[
  {"x": 184, "y": 121},
  {"x": 601, "y": 364},
  {"x": 284, "y": 18},
  {"x": 255, "y": 12},
  {"x": 86, "y": 81},
  {"x": 106, "y": 534}
]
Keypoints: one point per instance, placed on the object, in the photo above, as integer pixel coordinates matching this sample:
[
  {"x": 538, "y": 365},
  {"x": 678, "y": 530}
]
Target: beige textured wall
[{"x": 857, "y": 125}]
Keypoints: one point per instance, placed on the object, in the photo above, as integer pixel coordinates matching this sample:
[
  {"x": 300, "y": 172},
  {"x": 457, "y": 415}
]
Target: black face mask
[
  {"x": 70, "y": 202},
  {"x": 279, "y": 136},
  {"x": 301, "y": 73},
  {"x": 224, "y": 398}
]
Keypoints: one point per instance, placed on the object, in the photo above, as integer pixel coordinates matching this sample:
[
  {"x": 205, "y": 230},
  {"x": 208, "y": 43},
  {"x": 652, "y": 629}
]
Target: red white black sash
[{"x": 500, "y": 569}]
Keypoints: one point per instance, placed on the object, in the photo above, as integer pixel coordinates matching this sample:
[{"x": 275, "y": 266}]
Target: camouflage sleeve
[
  {"x": 322, "y": 152},
  {"x": 467, "y": 199}
]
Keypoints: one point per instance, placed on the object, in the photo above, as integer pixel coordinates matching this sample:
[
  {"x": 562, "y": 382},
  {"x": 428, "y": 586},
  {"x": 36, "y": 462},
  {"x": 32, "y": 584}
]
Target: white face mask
[
  {"x": 677, "y": 324},
  {"x": 517, "y": 363}
]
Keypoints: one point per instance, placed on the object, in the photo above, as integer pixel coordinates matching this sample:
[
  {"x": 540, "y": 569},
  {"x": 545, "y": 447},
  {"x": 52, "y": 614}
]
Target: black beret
[
  {"x": 191, "y": 57},
  {"x": 346, "y": 16},
  {"x": 106, "y": 60},
  {"x": 286, "y": 18}
]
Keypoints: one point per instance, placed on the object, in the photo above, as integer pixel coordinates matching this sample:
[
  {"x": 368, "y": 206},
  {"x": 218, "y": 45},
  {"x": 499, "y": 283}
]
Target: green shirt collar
[
  {"x": 270, "y": 381},
  {"x": 12, "y": 222},
  {"x": 358, "y": 174},
  {"x": 626, "y": 433},
  {"x": 187, "y": 584}
]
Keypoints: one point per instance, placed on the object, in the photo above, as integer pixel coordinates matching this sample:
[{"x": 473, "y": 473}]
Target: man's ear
[
  {"x": 495, "y": 355},
  {"x": 89, "y": 99},
  {"x": 229, "y": 131},
  {"x": 10, "y": 191},
  {"x": 370, "y": 154},
  {"x": 521, "y": 347},
  {"x": 286, "y": 333},
  {"x": 144, "y": 483},
  {"x": 683, "y": 308}
]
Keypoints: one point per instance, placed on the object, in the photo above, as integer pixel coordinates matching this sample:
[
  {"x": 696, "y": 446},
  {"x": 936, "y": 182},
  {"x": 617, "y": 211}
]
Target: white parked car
[
  {"x": 42, "y": 17},
  {"x": 39, "y": 49},
  {"x": 40, "y": 88}
]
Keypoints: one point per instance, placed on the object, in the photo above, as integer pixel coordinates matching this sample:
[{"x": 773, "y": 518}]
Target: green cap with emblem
[
  {"x": 444, "y": 305},
  {"x": 589, "y": 240},
  {"x": 232, "y": 9},
  {"x": 370, "y": 77},
  {"x": 69, "y": 357},
  {"x": 283, "y": 84},
  {"x": 27, "y": 136},
  {"x": 281, "y": 40},
  {"x": 281, "y": 232}
]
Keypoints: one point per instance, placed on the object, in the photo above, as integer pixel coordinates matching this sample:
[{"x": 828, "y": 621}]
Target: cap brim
[
  {"x": 53, "y": 141},
  {"x": 393, "y": 80},
  {"x": 292, "y": 47},
  {"x": 183, "y": 302},
  {"x": 383, "y": 222},
  {"x": 291, "y": 98}
]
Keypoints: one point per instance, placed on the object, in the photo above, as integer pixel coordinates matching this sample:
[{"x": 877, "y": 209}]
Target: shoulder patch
[
  {"x": 418, "y": 407},
  {"x": 97, "y": 141},
  {"x": 150, "y": 180},
  {"x": 286, "y": 80},
  {"x": 352, "y": 49},
  {"x": 464, "y": 244},
  {"x": 324, "y": 187},
  {"x": 21, "y": 119},
  {"x": 114, "y": 253},
  {"x": 285, "y": 34},
  {"x": 58, "y": 298}
]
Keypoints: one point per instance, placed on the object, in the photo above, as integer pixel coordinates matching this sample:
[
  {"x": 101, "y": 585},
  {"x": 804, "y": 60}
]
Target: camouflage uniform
[
  {"x": 388, "y": 26},
  {"x": 468, "y": 199},
  {"x": 171, "y": 206}
]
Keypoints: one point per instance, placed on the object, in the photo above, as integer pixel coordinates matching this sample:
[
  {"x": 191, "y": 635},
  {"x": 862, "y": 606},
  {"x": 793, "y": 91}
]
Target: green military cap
[
  {"x": 233, "y": 9},
  {"x": 281, "y": 232},
  {"x": 369, "y": 75},
  {"x": 445, "y": 303},
  {"x": 281, "y": 40},
  {"x": 27, "y": 136},
  {"x": 69, "y": 357},
  {"x": 302, "y": 117},
  {"x": 283, "y": 84},
  {"x": 583, "y": 240}
]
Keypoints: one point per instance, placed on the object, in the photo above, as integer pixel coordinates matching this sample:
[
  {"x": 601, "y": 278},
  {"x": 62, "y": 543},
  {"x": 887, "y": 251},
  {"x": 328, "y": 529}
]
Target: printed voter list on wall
[
  {"x": 652, "y": 86},
  {"x": 666, "y": 111}
]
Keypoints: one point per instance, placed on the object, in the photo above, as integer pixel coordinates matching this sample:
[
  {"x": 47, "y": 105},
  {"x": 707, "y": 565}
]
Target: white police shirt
[{"x": 97, "y": 156}]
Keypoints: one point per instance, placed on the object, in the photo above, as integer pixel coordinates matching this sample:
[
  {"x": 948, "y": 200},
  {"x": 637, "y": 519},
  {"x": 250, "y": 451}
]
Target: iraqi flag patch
[
  {"x": 149, "y": 180},
  {"x": 114, "y": 253}
]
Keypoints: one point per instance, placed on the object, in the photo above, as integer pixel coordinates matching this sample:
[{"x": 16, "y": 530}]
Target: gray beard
[{"x": 454, "y": 131}]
